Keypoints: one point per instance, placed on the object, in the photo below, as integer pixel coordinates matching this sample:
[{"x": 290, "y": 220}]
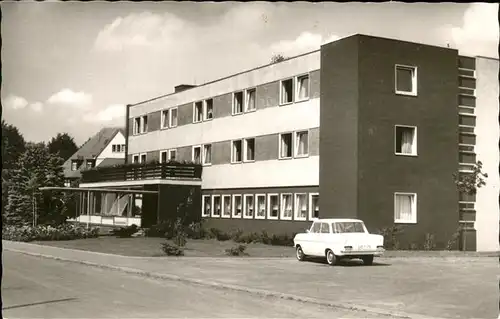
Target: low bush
[
  {"x": 238, "y": 250},
  {"x": 196, "y": 231},
  {"x": 429, "y": 243},
  {"x": 48, "y": 233},
  {"x": 218, "y": 234},
  {"x": 125, "y": 232},
  {"x": 452, "y": 243},
  {"x": 172, "y": 249},
  {"x": 390, "y": 234},
  {"x": 162, "y": 230}
]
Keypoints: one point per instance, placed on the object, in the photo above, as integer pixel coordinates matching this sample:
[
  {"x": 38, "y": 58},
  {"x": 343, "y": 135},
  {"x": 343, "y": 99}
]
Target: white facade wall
[{"x": 108, "y": 151}]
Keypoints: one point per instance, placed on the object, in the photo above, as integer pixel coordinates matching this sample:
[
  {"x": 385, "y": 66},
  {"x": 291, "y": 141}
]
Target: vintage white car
[{"x": 338, "y": 239}]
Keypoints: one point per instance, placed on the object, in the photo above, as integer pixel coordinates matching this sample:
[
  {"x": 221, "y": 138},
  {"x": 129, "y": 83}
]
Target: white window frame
[
  {"x": 242, "y": 103},
  {"x": 232, "y": 152},
  {"x": 137, "y": 126},
  {"x": 414, "y": 69},
  {"x": 279, "y": 145},
  {"x": 170, "y": 122},
  {"x": 212, "y": 212},
  {"x": 223, "y": 204},
  {"x": 296, "y": 208},
  {"x": 163, "y": 124},
  {"x": 414, "y": 144},
  {"x": 297, "y": 99},
  {"x": 140, "y": 158},
  {"x": 268, "y": 206},
  {"x": 310, "y": 204},
  {"x": 194, "y": 112},
  {"x": 281, "y": 91},
  {"x": 245, "y": 196},
  {"x": 169, "y": 156},
  {"x": 233, "y": 206},
  {"x": 295, "y": 143},
  {"x": 203, "y": 206},
  {"x": 414, "y": 209},
  {"x": 143, "y": 128},
  {"x": 244, "y": 151},
  {"x": 257, "y": 196},
  {"x": 74, "y": 165},
  {"x": 282, "y": 207},
  {"x": 205, "y": 110},
  {"x": 201, "y": 153},
  {"x": 134, "y": 156},
  {"x": 164, "y": 152},
  {"x": 246, "y": 110}
]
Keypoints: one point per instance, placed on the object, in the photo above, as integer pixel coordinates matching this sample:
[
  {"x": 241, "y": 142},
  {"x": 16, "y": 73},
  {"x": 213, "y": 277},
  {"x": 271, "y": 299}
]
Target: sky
[{"x": 71, "y": 67}]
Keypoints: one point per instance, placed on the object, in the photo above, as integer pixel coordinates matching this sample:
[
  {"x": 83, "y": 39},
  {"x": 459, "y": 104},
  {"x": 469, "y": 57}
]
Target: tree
[
  {"x": 13, "y": 145},
  {"x": 63, "y": 145},
  {"x": 278, "y": 58},
  {"x": 469, "y": 183},
  {"x": 37, "y": 168}
]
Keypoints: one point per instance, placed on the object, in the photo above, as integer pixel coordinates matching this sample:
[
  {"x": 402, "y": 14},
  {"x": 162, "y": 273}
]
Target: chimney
[{"x": 183, "y": 87}]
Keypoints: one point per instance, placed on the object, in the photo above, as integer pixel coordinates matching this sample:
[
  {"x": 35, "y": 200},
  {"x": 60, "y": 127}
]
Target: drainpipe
[{"x": 127, "y": 129}]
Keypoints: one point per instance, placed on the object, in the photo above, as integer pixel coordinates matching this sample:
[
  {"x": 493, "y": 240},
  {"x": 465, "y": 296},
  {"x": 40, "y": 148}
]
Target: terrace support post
[
  {"x": 127, "y": 129},
  {"x": 88, "y": 210}
]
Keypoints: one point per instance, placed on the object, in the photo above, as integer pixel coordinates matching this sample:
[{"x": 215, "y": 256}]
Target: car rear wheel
[
  {"x": 300, "y": 254},
  {"x": 367, "y": 260},
  {"x": 331, "y": 259}
]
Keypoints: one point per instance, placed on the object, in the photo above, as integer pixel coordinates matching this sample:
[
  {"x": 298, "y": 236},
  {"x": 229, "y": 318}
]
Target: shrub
[
  {"x": 125, "y": 232},
  {"x": 218, "y": 234},
  {"x": 237, "y": 251},
  {"x": 452, "y": 243},
  {"x": 172, "y": 250},
  {"x": 48, "y": 233},
  {"x": 196, "y": 231},
  {"x": 429, "y": 243},
  {"x": 163, "y": 230},
  {"x": 390, "y": 234}
]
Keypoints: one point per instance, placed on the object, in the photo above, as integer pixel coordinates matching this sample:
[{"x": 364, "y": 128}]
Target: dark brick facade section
[
  {"x": 223, "y": 105},
  {"x": 467, "y": 120},
  {"x": 185, "y": 114},
  {"x": 466, "y": 62},
  {"x": 466, "y": 100},
  {"x": 266, "y": 147},
  {"x": 467, "y": 82},
  {"x": 221, "y": 153},
  {"x": 154, "y": 121},
  {"x": 131, "y": 127},
  {"x": 314, "y": 141},
  {"x": 359, "y": 110},
  {"x": 314, "y": 80},
  {"x": 184, "y": 153},
  {"x": 267, "y": 95},
  {"x": 467, "y": 139},
  {"x": 153, "y": 156}
]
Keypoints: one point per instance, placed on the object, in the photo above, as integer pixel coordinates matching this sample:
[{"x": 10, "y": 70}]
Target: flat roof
[
  {"x": 331, "y": 220},
  {"x": 101, "y": 190}
]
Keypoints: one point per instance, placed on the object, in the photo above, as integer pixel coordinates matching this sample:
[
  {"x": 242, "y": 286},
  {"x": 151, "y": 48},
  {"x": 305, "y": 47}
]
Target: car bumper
[{"x": 376, "y": 252}]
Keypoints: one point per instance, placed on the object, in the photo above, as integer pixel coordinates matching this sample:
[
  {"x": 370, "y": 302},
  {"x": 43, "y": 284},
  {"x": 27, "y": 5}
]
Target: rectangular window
[
  {"x": 302, "y": 144},
  {"x": 313, "y": 206},
  {"x": 249, "y": 149},
  {"x": 198, "y": 112},
  {"x": 164, "y": 118},
  {"x": 286, "y": 91},
  {"x": 260, "y": 209},
  {"x": 237, "y": 206},
  {"x": 143, "y": 158},
  {"x": 207, "y": 154},
  {"x": 113, "y": 148},
  {"x": 237, "y": 103},
  {"x": 406, "y": 140},
  {"x": 405, "y": 208},
  {"x": 74, "y": 165},
  {"x": 216, "y": 204},
  {"x": 325, "y": 228},
  {"x": 196, "y": 154},
  {"x": 300, "y": 206},
  {"x": 206, "y": 209},
  {"x": 285, "y": 145},
  {"x": 406, "y": 80},
  {"x": 303, "y": 87},
  {"x": 163, "y": 156},
  {"x": 144, "y": 124},
  {"x": 272, "y": 206},
  {"x": 226, "y": 206},
  {"x": 172, "y": 154},
  {"x": 123, "y": 147},
  {"x": 137, "y": 125},
  {"x": 173, "y": 117},
  {"x": 250, "y": 100},
  {"x": 236, "y": 154},
  {"x": 135, "y": 159},
  {"x": 286, "y": 206},
  {"x": 208, "y": 111},
  {"x": 249, "y": 206}
]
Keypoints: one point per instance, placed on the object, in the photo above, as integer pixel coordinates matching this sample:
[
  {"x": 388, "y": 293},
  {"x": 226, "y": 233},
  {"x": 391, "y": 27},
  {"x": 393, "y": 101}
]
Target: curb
[{"x": 212, "y": 284}]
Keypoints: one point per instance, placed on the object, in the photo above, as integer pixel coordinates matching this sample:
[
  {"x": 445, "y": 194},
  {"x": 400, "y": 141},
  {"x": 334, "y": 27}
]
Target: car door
[
  {"x": 324, "y": 239},
  {"x": 310, "y": 244}
]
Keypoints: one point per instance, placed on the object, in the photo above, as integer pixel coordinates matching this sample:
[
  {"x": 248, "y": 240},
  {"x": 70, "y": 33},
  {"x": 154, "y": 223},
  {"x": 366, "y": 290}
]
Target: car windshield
[{"x": 348, "y": 227}]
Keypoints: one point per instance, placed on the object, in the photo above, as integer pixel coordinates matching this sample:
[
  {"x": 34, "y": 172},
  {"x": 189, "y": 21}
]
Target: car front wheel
[
  {"x": 300, "y": 254},
  {"x": 367, "y": 260},
  {"x": 331, "y": 259}
]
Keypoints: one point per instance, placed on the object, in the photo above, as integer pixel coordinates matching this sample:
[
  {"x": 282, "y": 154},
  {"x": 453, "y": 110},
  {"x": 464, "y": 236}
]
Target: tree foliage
[
  {"x": 469, "y": 183},
  {"x": 277, "y": 58},
  {"x": 13, "y": 145},
  {"x": 63, "y": 145}
]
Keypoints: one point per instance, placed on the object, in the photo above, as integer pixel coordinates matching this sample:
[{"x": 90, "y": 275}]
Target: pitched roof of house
[{"x": 111, "y": 162}]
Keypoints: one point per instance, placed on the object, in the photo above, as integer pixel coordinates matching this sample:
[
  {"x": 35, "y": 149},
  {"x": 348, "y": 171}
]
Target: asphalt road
[{"x": 34, "y": 287}]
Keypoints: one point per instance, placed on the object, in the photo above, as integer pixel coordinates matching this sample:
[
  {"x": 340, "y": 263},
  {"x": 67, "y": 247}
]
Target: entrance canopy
[{"x": 97, "y": 190}]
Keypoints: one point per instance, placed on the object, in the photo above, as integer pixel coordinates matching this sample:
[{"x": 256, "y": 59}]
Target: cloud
[
  {"x": 70, "y": 98},
  {"x": 304, "y": 43},
  {"x": 37, "y": 106},
  {"x": 479, "y": 33},
  {"x": 15, "y": 102},
  {"x": 113, "y": 113}
]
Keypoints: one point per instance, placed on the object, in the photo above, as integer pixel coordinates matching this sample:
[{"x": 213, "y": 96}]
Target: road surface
[{"x": 35, "y": 287}]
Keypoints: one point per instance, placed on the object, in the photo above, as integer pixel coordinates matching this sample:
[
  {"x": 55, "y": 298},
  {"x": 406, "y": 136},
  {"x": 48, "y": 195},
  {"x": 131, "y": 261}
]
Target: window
[
  {"x": 260, "y": 209},
  {"x": 325, "y": 228},
  {"x": 303, "y": 87},
  {"x": 216, "y": 204},
  {"x": 123, "y": 147},
  {"x": 172, "y": 154},
  {"x": 113, "y": 148},
  {"x": 173, "y": 117},
  {"x": 208, "y": 110},
  {"x": 300, "y": 206},
  {"x": 405, "y": 208},
  {"x": 406, "y": 140},
  {"x": 286, "y": 91},
  {"x": 74, "y": 165},
  {"x": 196, "y": 154},
  {"x": 249, "y": 149},
  {"x": 237, "y": 206},
  {"x": 237, "y": 103},
  {"x": 163, "y": 156},
  {"x": 198, "y": 112},
  {"x": 249, "y": 206},
  {"x": 137, "y": 125},
  {"x": 144, "y": 124},
  {"x": 226, "y": 206},
  {"x": 236, "y": 155},
  {"x": 406, "y": 80},
  {"x": 135, "y": 159},
  {"x": 316, "y": 228},
  {"x": 250, "y": 100},
  {"x": 164, "y": 118},
  {"x": 286, "y": 206},
  {"x": 207, "y": 154},
  {"x": 205, "y": 209},
  {"x": 313, "y": 206},
  {"x": 302, "y": 144},
  {"x": 272, "y": 206},
  {"x": 143, "y": 158},
  {"x": 285, "y": 145}
]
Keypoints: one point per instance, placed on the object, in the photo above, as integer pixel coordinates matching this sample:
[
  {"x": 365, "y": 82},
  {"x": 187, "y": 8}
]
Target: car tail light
[
  {"x": 380, "y": 247},
  {"x": 347, "y": 247}
]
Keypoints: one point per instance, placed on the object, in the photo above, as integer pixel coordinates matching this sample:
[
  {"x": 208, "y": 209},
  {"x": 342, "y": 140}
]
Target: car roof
[{"x": 338, "y": 220}]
